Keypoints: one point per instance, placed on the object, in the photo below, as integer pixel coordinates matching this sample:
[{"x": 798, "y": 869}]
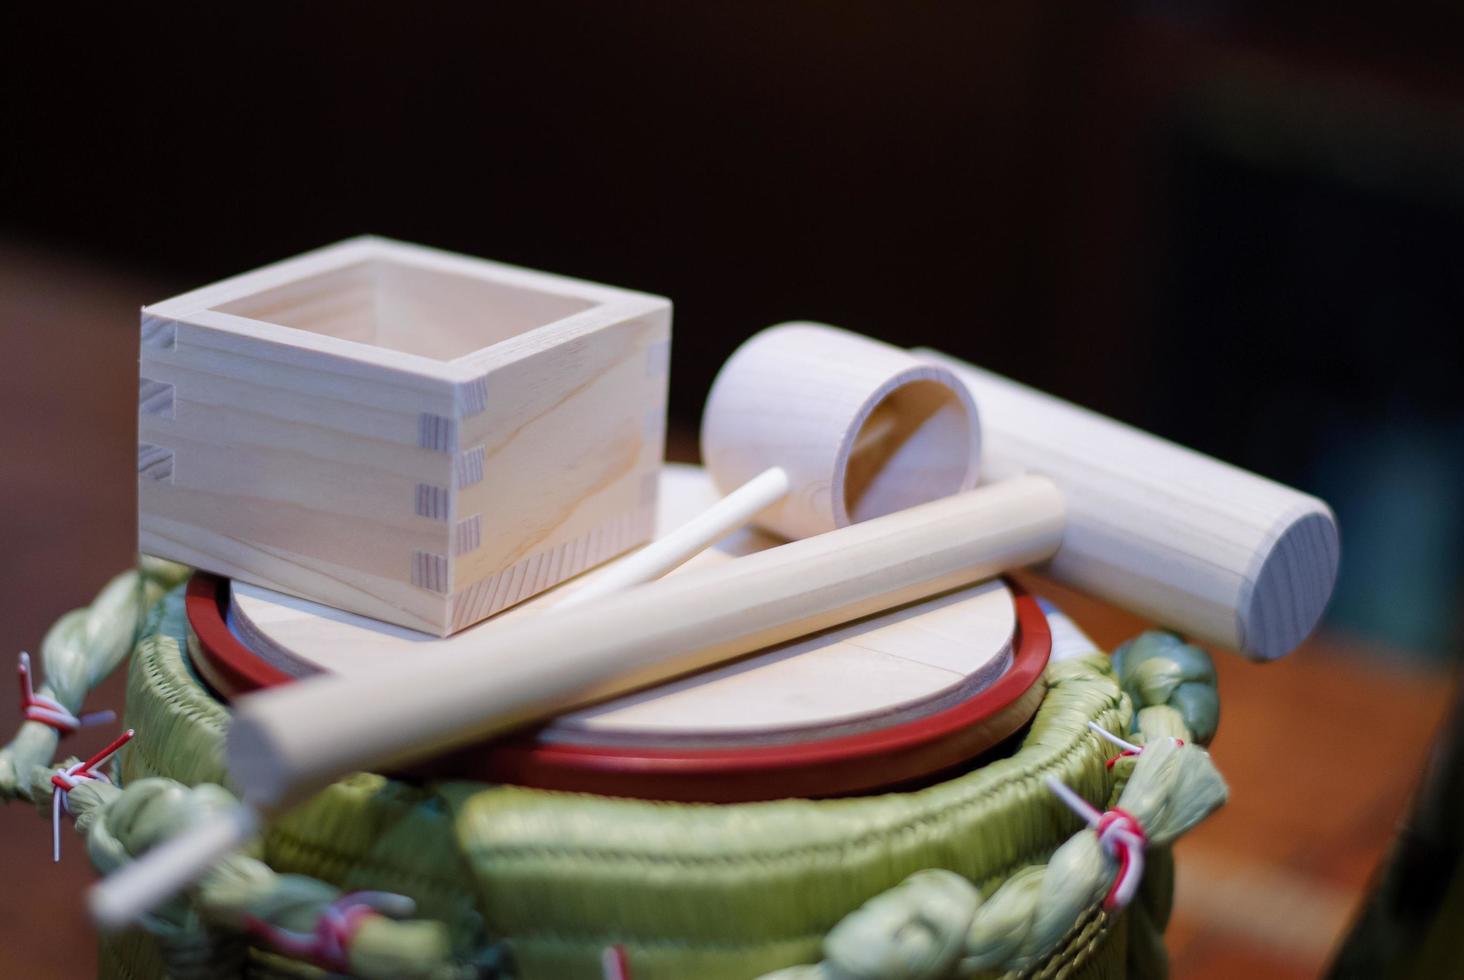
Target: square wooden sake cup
[{"x": 416, "y": 436}]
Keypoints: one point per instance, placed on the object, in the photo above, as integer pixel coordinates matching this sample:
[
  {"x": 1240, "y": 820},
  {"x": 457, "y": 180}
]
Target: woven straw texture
[{"x": 689, "y": 890}]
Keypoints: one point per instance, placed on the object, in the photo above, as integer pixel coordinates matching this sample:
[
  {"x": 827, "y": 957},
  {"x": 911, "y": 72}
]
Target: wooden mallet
[{"x": 808, "y": 428}]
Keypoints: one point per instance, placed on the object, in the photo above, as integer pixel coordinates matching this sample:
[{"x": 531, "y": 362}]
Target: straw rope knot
[
  {"x": 328, "y": 945},
  {"x": 80, "y": 649},
  {"x": 1123, "y": 839},
  {"x": 1172, "y": 685},
  {"x": 47, "y": 710},
  {"x": 64, "y": 780}
]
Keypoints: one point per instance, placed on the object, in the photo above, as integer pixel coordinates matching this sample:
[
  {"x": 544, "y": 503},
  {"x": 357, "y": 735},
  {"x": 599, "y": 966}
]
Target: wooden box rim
[{"x": 609, "y": 305}]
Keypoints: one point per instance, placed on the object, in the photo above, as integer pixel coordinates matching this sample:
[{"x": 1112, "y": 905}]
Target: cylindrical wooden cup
[{"x": 861, "y": 428}]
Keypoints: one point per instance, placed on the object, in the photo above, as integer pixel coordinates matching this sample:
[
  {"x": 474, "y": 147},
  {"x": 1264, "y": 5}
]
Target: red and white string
[
  {"x": 1119, "y": 833},
  {"x": 1129, "y": 748},
  {"x": 1121, "y": 837},
  {"x": 49, "y": 711},
  {"x": 615, "y": 963},
  {"x": 328, "y": 945},
  {"x": 63, "y": 781}
]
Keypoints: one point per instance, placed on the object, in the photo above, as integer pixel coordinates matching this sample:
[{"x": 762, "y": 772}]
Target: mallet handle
[{"x": 288, "y": 741}]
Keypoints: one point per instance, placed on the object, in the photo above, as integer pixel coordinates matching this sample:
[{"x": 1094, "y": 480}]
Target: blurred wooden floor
[{"x": 1321, "y": 750}]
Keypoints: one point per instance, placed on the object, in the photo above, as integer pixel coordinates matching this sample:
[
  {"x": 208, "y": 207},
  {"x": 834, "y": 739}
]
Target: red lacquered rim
[{"x": 849, "y": 764}]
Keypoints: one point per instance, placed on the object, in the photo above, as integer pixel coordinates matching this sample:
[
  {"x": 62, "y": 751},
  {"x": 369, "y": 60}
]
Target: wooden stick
[
  {"x": 734, "y": 511},
  {"x": 289, "y": 741},
  {"x": 685, "y": 542}
]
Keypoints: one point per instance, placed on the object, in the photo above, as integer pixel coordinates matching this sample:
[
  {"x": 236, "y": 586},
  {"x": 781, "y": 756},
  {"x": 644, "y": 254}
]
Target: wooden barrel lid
[{"x": 870, "y": 704}]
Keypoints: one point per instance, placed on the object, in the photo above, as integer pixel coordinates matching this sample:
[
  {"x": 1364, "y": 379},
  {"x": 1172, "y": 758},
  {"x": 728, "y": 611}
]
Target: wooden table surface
[{"x": 1321, "y": 750}]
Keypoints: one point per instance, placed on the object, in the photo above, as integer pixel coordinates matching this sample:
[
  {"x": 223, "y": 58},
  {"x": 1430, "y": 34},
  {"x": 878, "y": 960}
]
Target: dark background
[
  {"x": 1237, "y": 224},
  {"x": 1240, "y": 227}
]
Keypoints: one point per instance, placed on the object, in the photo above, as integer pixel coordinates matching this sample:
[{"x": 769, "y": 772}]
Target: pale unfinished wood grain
[
  {"x": 415, "y": 436},
  {"x": 289, "y": 740},
  {"x": 1224, "y": 555},
  {"x": 894, "y": 666},
  {"x": 803, "y": 396}
]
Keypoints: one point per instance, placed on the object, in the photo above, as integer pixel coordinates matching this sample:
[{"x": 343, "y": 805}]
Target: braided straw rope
[
  {"x": 202, "y": 933},
  {"x": 79, "y": 651},
  {"x": 936, "y": 925}
]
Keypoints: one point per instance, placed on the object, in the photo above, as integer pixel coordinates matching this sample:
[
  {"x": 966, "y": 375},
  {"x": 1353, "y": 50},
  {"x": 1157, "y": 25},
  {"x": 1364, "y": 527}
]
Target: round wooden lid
[{"x": 874, "y": 703}]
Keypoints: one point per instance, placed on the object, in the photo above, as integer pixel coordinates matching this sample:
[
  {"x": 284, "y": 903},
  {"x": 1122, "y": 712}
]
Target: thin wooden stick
[
  {"x": 684, "y": 543},
  {"x": 732, "y": 512}
]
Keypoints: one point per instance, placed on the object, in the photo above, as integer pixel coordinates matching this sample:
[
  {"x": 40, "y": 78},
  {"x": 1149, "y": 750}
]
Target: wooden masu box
[{"x": 412, "y": 435}]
